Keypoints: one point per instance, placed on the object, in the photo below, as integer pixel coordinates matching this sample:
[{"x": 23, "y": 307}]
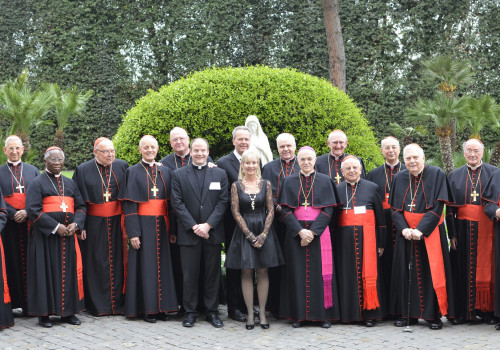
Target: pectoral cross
[
  {"x": 107, "y": 195},
  {"x": 305, "y": 204},
  {"x": 20, "y": 188},
  {"x": 63, "y": 206},
  {"x": 338, "y": 178},
  {"x": 411, "y": 206},
  {"x": 474, "y": 195},
  {"x": 387, "y": 195},
  {"x": 154, "y": 190}
]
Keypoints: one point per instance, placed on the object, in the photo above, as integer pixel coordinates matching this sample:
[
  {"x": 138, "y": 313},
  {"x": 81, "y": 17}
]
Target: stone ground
[{"x": 116, "y": 332}]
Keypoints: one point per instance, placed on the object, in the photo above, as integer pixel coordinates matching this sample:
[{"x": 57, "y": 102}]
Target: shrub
[{"x": 210, "y": 103}]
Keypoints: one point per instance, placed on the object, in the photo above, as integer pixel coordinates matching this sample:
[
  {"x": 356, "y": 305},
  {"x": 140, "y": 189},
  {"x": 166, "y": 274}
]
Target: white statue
[{"x": 259, "y": 140}]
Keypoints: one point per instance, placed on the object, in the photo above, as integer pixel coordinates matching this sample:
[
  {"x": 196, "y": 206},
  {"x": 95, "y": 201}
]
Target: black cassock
[
  {"x": 15, "y": 235},
  {"x": 102, "y": 251},
  {"x": 275, "y": 171},
  {"x": 55, "y": 282},
  {"x": 491, "y": 196},
  {"x": 358, "y": 301},
  {"x": 150, "y": 285},
  {"x": 383, "y": 176},
  {"x": 432, "y": 193},
  {"x": 308, "y": 274},
  {"x": 6, "y": 317},
  {"x": 467, "y": 186},
  {"x": 327, "y": 164}
]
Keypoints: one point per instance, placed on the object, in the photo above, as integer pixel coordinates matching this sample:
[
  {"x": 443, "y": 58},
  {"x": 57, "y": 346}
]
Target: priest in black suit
[
  {"x": 179, "y": 158},
  {"x": 383, "y": 176},
  {"x": 231, "y": 164},
  {"x": 329, "y": 163},
  {"x": 199, "y": 199}
]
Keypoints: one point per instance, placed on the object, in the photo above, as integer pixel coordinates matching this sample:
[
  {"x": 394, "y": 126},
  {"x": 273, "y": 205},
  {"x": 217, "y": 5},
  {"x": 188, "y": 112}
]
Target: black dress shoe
[
  {"x": 264, "y": 325},
  {"x": 71, "y": 320},
  {"x": 296, "y": 324},
  {"x": 149, "y": 318},
  {"x": 44, "y": 321},
  {"x": 237, "y": 315},
  {"x": 489, "y": 319},
  {"x": 401, "y": 322},
  {"x": 256, "y": 313},
  {"x": 189, "y": 320},
  {"x": 215, "y": 320},
  {"x": 435, "y": 324},
  {"x": 249, "y": 327},
  {"x": 326, "y": 324},
  {"x": 370, "y": 323},
  {"x": 497, "y": 326},
  {"x": 457, "y": 321},
  {"x": 161, "y": 316}
]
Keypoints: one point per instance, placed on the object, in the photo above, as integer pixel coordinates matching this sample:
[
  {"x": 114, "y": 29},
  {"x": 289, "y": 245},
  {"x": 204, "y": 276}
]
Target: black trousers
[{"x": 205, "y": 259}]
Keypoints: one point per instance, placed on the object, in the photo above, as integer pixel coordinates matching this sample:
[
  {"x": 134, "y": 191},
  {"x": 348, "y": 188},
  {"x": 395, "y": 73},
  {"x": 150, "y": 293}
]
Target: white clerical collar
[
  {"x": 199, "y": 167},
  {"x": 352, "y": 183},
  {"x": 55, "y": 175},
  {"x": 15, "y": 163},
  {"x": 474, "y": 167},
  {"x": 288, "y": 161},
  {"x": 312, "y": 172},
  {"x": 392, "y": 166},
  {"x": 149, "y": 163},
  {"x": 238, "y": 156},
  {"x": 335, "y": 157}
]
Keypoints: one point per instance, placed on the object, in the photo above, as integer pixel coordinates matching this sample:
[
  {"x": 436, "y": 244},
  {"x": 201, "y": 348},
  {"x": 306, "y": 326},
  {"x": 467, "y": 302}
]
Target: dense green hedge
[{"x": 212, "y": 102}]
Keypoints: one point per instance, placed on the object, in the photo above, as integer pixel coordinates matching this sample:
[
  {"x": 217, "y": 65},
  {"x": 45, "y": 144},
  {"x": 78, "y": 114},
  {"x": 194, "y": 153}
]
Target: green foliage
[{"x": 212, "y": 102}]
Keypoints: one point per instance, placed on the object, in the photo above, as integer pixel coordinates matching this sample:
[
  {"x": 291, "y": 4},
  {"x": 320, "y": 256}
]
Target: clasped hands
[
  {"x": 306, "y": 237},
  {"x": 202, "y": 230},
  {"x": 20, "y": 216},
  {"x": 65, "y": 231},
  {"x": 412, "y": 234}
]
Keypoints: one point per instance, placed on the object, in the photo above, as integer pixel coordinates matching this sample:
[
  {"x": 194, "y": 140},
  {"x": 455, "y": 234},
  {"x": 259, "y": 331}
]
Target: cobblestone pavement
[{"x": 116, "y": 332}]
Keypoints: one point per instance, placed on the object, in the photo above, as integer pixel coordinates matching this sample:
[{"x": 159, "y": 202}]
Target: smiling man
[
  {"x": 417, "y": 201},
  {"x": 56, "y": 210},
  {"x": 200, "y": 198},
  {"x": 471, "y": 235},
  {"x": 99, "y": 181},
  {"x": 359, "y": 243},
  {"x": 150, "y": 289}
]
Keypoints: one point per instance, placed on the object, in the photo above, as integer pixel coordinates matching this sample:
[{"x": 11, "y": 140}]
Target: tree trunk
[
  {"x": 59, "y": 138},
  {"x": 26, "y": 141},
  {"x": 453, "y": 135},
  {"x": 335, "y": 43},
  {"x": 495, "y": 155},
  {"x": 446, "y": 153}
]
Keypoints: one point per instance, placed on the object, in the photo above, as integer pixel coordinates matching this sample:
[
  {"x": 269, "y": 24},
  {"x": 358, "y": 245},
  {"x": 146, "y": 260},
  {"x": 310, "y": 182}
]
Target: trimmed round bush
[{"x": 210, "y": 103}]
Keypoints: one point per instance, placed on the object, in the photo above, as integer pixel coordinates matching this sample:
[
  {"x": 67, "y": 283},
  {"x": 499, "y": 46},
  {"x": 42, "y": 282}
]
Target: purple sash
[{"x": 326, "y": 252}]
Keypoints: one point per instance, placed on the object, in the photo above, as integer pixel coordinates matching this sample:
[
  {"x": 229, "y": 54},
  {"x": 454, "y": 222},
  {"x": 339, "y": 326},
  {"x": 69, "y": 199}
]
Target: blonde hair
[{"x": 252, "y": 155}]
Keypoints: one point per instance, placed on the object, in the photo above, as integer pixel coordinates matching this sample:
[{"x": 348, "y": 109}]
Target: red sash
[
  {"x": 6, "y": 295},
  {"x": 326, "y": 253},
  {"x": 485, "y": 255},
  {"x": 153, "y": 207},
  {"x": 79, "y": 269},
  {"x": 385, "y": 203},
  {"x": 105, "y": 209},
  {"x": 17, "y": 200},
  {"x": 436, "y": 262},
  {"x": 369, "y": 274},
  {"x": 53, "y": 204}
]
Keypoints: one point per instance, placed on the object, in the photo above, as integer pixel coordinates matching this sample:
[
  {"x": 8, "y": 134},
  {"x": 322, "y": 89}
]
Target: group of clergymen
[{"x": 146, "y": 240}]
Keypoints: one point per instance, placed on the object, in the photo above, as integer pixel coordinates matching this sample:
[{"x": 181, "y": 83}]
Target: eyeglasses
[
  {"x": 107, "y": 153},
  {"x": 179, "y": 139},
  {"x": 56, "y": 160},
  {"x": 470, "y": 151}
]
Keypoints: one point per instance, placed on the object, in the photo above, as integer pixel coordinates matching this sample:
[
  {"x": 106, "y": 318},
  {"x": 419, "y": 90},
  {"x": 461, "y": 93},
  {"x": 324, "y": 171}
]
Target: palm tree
[
  {"x": 481, "y": 112},
  {"x": 441, "y": 110},
  {"x": 67, "y": 103},
  {"x": 23, "y": 107},
  {"x": 495, "y": 155},
  {"x": 449, "y": 73}
]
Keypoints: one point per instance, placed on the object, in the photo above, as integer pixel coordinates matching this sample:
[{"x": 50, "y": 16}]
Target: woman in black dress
[{"x": 254, "y": 244}]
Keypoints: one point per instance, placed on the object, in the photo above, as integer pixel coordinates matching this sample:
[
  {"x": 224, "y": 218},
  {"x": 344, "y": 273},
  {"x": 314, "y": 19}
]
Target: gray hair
[
  {"x": 336, "y": 132},
  {"x": 472, "y": 140},
  {"x": 148, "y": 137},
  {"x": 12, "y": 138},
  {"x": 350, "y": 157},
  {"x": 285, "y": 136},
  {"x": 387, "y": 139},
  {"x": 178, "y": 129},
  {"x": 413, "y": 145},
  {"x": 238, "y": 128},
  {"x": 47, "y": 155}
]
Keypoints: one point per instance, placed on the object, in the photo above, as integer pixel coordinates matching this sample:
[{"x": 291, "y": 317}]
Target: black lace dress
[{"x": 241, "y": 253}]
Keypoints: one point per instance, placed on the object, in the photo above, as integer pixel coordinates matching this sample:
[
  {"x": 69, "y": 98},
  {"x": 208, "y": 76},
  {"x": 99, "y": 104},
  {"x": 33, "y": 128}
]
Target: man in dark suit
[
  {"x": 199, "y": 199},
  {"x": 231, "y": 164}
]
